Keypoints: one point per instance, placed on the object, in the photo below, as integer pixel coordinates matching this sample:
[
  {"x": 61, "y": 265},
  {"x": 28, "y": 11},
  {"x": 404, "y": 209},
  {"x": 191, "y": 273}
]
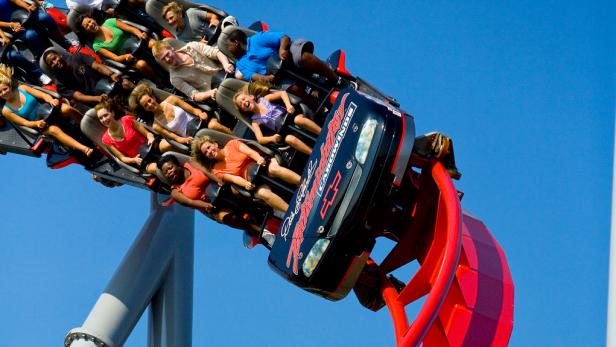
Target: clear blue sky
[{"x": 525, "y": 89}]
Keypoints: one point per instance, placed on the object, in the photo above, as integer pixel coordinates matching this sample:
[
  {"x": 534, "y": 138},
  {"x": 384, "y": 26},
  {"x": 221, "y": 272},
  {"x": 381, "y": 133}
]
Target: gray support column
[
  {"x": 611, "y": 296},
  {"x": 157, "y": 269}
]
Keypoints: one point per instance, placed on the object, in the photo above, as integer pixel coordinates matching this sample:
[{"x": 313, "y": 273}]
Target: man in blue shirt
[{"x": 252, "y": 54}]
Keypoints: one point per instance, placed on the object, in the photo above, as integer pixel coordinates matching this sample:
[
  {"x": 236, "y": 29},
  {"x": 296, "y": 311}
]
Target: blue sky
[{"x": 525, "y": 89}]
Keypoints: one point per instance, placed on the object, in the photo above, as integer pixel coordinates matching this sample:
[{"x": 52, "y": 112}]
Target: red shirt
[
  {"x": 235, "y": 162},
  {"x": 132, "y": 140},
  {"x": 194, "y": 187}
]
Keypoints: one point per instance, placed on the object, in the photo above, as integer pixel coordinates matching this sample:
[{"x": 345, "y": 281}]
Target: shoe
[
  {"x": 44, "y": 79},
  {"x": 268, "y": 238},
  {"x": 229, "y": 21}
]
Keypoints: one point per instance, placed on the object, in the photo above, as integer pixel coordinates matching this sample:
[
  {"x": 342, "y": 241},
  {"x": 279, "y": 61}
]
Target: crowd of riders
[{"x": 220, "y": 116}]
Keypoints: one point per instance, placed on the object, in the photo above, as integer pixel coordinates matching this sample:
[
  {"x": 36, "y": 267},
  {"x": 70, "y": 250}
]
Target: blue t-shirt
[
  {"x": 6, "y": 10},
  {"x": 259, "y": 48}
]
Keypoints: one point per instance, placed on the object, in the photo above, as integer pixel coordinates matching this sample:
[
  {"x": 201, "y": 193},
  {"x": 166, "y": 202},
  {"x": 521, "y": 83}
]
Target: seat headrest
[
  {"x": 182, "y": 158},
  {"x": 221, "y": 138},
  {"x": 92, "y": 128},
  {"x": 46, "y": 69},
  {"x": 71, "y": 17},
  {"x": 224, "y": 98},
  {"x": 224, "y": 36}
]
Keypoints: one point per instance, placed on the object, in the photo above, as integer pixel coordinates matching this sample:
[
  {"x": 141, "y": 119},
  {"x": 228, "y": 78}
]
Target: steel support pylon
[{"x": 157, "y": 271}]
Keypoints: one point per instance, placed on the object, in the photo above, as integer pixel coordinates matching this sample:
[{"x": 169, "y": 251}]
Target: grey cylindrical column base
[{"x": 157, "y": 269}]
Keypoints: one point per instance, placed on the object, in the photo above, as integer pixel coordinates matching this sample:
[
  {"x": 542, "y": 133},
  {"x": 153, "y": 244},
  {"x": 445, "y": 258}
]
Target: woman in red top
[
  {"x": 126, "y": 136},
  {"x": 231, "y": 162}
]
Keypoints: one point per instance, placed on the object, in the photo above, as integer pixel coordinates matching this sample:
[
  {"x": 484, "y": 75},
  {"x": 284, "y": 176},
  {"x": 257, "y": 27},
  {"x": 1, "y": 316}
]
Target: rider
[
  {"x": 189, "y": 25},
  {"x": 77, "y": 75},
  {"x": 192, "y": 67},
  {"x": 230, "y": 164},
  {"x": 188, "y": 187}
]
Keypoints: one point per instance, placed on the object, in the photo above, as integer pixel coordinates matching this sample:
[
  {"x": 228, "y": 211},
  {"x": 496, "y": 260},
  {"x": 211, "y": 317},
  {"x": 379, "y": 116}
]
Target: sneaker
[
  {"x": 268, "y": 237},
  {"x": 44, "y": 79},
  {"x": 228, "y": 21}
]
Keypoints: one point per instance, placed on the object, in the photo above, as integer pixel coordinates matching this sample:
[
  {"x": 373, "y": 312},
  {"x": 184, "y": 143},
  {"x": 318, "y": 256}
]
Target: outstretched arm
[
  {"x": 124, "y": 58},
  {"x": 102, "y": 69},
  {"x": 40, "y": 95},
  {"x": 26, "y": 6},
  {"x": 174, "y": 100},
  {"x": 256, "y": 128},
  {"x": 122, "y": 25},
  {"x": 254, "y": 155},
  {"x": 201, "y": 205},
  {"x": 143, "y": 131},
  {"x": 169, "y": 134},
  {"x": 283, "y": 49},
  {"x": 15, "y": 119},
  {"x": 281, "y": 95},
  {"x": 222, "y": 58},
  {"x": 237, "y": 180},
  {"x": 123, "y": 158}
]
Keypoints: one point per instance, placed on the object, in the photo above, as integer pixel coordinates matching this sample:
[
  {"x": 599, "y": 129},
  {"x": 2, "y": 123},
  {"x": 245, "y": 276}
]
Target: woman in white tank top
[{"x": 172, "y": 115}]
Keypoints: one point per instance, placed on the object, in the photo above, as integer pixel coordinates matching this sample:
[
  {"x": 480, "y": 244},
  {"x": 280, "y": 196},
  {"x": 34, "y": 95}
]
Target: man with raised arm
[{"x": 192, "y": 67}]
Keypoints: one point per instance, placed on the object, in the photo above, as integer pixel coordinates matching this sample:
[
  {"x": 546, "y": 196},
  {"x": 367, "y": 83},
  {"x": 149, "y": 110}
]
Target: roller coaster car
[{"x": 356, "y": 167}]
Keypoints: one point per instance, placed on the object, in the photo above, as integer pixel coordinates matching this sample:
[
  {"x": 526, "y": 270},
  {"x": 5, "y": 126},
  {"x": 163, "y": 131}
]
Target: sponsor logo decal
[
  {"x": 336, "y": 131},
  {"x": 333, "y": 191}
]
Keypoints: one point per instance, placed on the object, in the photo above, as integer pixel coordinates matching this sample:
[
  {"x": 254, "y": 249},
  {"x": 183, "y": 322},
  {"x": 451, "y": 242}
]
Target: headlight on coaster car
[
  {"x": 314, "y": 256},
  {"x": 365, "y": 140}
]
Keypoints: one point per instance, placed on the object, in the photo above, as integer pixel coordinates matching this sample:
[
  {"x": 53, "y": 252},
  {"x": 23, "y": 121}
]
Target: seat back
[
  {"x": 71, "y": 17},
  {"x": 224, "y": 98},
  {"x": 46, "y": 68},
  {"x": 224, "y": 36},
  {"x": 182, "y": 158}
]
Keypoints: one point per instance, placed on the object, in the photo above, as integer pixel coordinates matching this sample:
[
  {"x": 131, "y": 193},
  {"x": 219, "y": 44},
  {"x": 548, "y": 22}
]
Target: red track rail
[{"x": 464, "y": 274}]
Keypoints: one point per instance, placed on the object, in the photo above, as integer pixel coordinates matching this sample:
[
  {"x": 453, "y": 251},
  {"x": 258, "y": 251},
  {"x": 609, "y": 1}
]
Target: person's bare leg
[
  {"x": 298, "y": 91},
  {"x": 276, "y": 171},
  {"x": 307, "y": 123},
  {"x": 298, "y": 144},
  {"x": 151, "y": 168},
  {"x": 164, "y": 146},
  {"x": 67, "y": 140},
  {"x": 313, "y": 64},
  {"x": 214, "y": 124},
  {"x": 274, "y": 201},
  {"x": 71, "y": 113},
  {"x": 229, "y": 218},
  {"x": 147, "y": 71}
]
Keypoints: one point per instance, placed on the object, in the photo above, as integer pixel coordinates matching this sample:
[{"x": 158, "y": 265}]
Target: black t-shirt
[{"x": 78, "y": 75}]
